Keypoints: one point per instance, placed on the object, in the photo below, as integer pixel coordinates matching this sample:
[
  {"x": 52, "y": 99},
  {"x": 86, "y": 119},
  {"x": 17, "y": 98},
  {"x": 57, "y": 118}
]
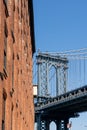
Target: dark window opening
[
  {"x": 5, "y": 29},
  {"x": 5, "y": 1},
  {"x": 22, "y": 14},
  {"x": 16, "y": 105},
  {"x": 14, "y": 6},
  {"x": 5, "y": 52},
  {"x": 13, "y": 72},
  {"x": 21, "y": 71},
  {"x": 6, "y": 7},
  {"x": 3, "y": 109},
  {"x": 12, "y": 34},
  {"x": 3, "y": 125},
  {"x": 17, "y": 56},
  {"x": 5, "y": 60},
  {"x": 5, "y": 44}
]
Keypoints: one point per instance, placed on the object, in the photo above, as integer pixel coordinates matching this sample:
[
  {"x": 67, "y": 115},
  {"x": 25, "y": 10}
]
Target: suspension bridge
[{"x": 61, "y": 87}]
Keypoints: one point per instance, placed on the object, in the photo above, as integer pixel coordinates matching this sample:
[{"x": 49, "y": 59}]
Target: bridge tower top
[{"x": 45, "y": 62}]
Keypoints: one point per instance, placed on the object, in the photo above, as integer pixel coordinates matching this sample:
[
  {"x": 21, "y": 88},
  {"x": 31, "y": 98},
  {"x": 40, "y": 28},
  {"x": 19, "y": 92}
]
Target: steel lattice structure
[
  {"x": 65, "y": 103},
  {"x": 44, "y": 62}
]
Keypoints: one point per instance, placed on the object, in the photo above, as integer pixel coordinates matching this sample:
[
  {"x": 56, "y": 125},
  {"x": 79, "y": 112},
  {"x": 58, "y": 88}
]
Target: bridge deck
[{"x": 67, "y": 104}]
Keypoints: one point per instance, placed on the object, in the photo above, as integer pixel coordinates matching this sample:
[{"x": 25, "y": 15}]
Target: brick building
[{"x": 16, "y": 50}]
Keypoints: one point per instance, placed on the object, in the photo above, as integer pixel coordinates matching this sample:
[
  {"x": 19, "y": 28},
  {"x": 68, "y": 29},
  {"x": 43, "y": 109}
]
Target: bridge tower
[{"x": 44, "y": 62}]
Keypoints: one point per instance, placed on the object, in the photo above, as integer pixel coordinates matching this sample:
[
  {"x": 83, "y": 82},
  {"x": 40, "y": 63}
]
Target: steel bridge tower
[{"x": 44, "y": 62}]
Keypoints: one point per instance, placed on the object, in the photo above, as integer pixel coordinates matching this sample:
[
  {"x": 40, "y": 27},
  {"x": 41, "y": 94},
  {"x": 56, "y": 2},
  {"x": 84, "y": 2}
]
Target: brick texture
[{"x": 16, "y": 91}]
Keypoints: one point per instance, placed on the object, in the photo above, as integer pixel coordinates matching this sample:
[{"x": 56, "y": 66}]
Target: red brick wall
[{"x": 16, "y": 92}]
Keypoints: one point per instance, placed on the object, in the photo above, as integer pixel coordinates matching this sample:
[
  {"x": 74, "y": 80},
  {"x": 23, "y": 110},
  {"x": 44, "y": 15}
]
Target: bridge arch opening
[
  {"x": 52, "y": 81},
  {"x": 52, "y": 125}
]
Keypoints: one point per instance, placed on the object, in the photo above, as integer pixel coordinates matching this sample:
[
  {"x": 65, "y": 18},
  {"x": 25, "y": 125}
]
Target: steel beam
[
  {"x": 66, "y": 122},
  {"x": 38, "y": 120},
  {"x": 58, "y": 125}
]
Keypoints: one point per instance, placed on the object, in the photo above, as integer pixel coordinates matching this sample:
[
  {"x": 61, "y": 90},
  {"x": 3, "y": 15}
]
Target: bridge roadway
[{"x": 61, "y": 107}]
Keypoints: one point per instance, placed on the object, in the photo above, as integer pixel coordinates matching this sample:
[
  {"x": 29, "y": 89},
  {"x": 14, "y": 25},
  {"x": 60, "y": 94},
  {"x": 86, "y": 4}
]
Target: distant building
[{"x": 16, "y": 50}]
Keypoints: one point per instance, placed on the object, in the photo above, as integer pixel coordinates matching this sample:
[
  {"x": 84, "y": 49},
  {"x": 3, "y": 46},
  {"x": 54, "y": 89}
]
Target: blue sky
[{"x": 61, "y": 25}]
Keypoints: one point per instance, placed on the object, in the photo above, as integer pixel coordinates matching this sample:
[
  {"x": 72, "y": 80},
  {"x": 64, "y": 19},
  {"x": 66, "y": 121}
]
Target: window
[
  {"x": 3, "y": 127},
  {"x": 3, "y": 109},
  {"x": 5, "y": 52},
  {"x": 5, "y": 43},
  {"x": 13, "y": 71},
  {"x": 14, "y": 6},
  {"x": 12, "y": 33},
  {"x": 5, "y": 29},
  {"x": 6, "y": 1},
  {"x": 6, "y": 9}
]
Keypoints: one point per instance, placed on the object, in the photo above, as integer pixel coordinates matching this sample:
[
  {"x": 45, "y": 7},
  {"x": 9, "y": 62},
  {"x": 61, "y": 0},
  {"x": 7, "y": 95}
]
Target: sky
[{"x": 61, "y": 25}]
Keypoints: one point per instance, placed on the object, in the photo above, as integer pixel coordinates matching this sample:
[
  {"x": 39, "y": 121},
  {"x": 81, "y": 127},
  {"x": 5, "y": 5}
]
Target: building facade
[{"x": 16, "y": 50}]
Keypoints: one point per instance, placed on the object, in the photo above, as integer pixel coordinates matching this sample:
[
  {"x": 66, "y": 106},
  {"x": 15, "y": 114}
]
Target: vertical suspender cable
[
  {"x": 80, "y": 81},
  {"x": 84, "y": 69}
]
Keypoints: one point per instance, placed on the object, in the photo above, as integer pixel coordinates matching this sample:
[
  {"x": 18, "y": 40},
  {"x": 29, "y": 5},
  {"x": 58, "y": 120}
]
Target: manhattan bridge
[{"x": 61, "y": 85}]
